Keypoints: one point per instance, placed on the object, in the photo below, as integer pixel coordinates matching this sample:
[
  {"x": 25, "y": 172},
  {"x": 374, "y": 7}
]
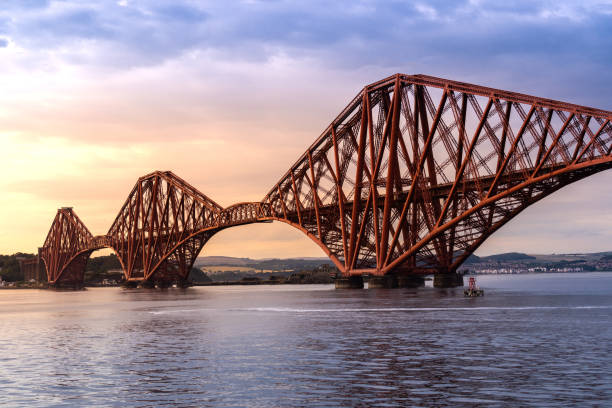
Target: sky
[{"x": 229, "y": 94}]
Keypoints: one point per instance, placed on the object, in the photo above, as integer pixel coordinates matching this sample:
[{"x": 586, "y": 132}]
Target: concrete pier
[
  {"x": 351, "y": 282},
  {"x": 146, "y": 284},
  {"x": 447, "y": 280},
  {"x": 67, "y": 286}
]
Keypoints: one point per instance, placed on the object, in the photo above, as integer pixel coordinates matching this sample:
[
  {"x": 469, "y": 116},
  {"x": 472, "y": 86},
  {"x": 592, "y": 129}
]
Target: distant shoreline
[
  {"x": 470, "y": 273},
  {"x": 286, "y": 282}
]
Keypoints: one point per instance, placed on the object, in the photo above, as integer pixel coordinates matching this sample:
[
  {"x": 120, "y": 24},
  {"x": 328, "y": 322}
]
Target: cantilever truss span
[{"x": 411, "y": 177}]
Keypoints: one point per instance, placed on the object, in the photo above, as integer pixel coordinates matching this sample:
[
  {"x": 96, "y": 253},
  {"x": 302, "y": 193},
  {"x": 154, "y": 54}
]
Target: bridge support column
[
  {"x": 447, "y": 280},
  {"x": 68, "y": 286},
  {"x": 146, "y": 284},
  {"x": 183, "y": 283},
  {"x": 130, "y": 284},
  {"x": 351, "y": 282}
]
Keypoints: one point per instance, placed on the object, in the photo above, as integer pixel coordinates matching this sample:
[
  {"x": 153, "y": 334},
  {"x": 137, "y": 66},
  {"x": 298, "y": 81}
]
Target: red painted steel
[
  {"x": 472, "y": 285},
  {"x": 411, "y": 177},
  {"x": 66, "y": 249}
]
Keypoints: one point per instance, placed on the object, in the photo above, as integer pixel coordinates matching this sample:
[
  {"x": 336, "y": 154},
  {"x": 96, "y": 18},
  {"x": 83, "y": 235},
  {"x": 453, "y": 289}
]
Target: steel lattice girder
[
  {"x": 418, "y": 171},
  {"x": 66, "y": 241},
  {"x": 411, "y": 177}
]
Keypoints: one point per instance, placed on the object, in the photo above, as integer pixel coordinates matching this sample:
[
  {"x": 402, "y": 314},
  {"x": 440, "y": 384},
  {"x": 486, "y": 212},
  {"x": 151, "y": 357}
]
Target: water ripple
[{"x": 311, "y": 346}]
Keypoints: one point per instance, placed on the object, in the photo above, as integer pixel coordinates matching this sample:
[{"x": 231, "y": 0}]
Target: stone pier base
[
  {"x": 146, "y": 284},
  {"x": 158, "y": 284},
  {"x": 67, "y": 286},
  {"x": 130, "y": 284},
  {"x": 183, "y": 283},
  {"x": 447, "y": 280},
  {"x": 351, "y": 282}
]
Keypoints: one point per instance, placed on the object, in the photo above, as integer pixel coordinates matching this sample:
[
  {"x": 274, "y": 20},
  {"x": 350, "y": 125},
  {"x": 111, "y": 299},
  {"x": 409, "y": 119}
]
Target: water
[{"x": 533, "y": 340}]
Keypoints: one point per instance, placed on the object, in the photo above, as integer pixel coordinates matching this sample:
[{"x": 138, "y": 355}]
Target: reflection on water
[{"x": 540, "y": 340}]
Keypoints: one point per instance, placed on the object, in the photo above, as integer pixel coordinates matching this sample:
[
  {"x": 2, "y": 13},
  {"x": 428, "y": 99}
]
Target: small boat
[{"x": 473, "y": 290}]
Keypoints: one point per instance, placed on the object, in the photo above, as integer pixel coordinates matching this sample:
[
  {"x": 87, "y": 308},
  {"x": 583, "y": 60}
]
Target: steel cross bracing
[
  {"x": 411, "y": 177},
  {"x": 67, "y": 247}
]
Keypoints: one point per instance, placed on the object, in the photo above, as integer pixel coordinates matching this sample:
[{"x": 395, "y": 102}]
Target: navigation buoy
[{"x": 473, "y": 290}]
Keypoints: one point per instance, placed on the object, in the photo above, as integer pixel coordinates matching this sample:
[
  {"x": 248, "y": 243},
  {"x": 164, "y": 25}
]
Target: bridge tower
[
  {"x": 417, "y": 172},
  {"x": 161, "y": 229},
  {"x": 66, "y": 250}
]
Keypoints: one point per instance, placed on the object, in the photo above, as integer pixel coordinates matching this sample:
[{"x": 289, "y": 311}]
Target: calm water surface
[{"x": 533, "y": 340}]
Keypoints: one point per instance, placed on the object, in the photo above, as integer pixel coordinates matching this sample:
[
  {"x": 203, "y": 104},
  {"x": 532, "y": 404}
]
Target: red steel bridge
[{"x": 409, "y": 179}]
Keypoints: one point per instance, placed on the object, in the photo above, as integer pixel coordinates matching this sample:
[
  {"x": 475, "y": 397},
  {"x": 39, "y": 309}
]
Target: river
[{"x": 532, "y": 340}]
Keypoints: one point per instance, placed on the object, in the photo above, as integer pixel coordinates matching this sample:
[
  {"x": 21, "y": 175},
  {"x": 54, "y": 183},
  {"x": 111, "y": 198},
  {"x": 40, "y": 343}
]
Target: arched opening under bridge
[{"x": 263, "y": 250}]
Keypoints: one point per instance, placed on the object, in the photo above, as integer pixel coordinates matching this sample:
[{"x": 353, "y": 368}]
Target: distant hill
[
  {"x": 229, "y": 268},
  {"x": 222, "y": 260},
  {"x": 215, "y": 264},
  {"x": 509, "y": 256},
  {"x": 302, "y": 258},
  {"x": 472, "y": 259},
  {"x": 197, "y": 276},
  {"x": 270, "y": 265}
]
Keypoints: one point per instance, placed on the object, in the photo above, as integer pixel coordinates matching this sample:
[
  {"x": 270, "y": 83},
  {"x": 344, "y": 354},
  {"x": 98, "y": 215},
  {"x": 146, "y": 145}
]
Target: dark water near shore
[{"x": 533, "y": 340}]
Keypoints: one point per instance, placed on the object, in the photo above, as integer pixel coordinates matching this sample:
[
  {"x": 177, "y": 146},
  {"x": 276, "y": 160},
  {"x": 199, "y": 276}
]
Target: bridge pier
[
  {"x": 67, "y": 286},
  {"x": 146, "y": 284},
  {"x": 447, "y": 280},
  {"x": 156, "y": 284},
  {"x": 350, "y": 282},
  {"x": 165, "y": 284},
  {"x": 130, "y": 284}
]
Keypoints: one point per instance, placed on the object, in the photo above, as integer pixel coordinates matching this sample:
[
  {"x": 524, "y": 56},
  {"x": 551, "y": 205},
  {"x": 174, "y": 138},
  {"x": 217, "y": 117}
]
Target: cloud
[
  {"x": 66, "y": 26},
  {"x": 530, "y": 46},
  {"x": 361, "y": 33},
  {"x": 537, "y": 43}
]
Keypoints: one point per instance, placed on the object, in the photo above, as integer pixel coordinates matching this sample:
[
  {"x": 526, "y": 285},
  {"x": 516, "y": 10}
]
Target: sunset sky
[{"x": 227, "y": 95}]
